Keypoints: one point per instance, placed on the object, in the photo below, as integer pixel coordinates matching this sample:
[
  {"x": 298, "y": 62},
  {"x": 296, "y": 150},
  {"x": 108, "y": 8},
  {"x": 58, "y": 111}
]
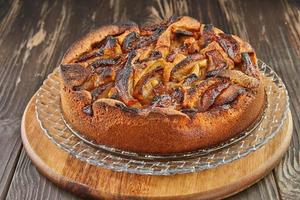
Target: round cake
[{"x": 164, "y": 88}]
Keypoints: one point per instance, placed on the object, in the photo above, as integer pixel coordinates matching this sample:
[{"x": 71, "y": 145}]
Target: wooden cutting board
[{"x": 88, "y": 180}]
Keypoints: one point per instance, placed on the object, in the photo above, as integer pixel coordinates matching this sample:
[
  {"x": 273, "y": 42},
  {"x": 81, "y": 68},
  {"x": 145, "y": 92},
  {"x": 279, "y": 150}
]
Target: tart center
[{"x": 178, "y": 64}]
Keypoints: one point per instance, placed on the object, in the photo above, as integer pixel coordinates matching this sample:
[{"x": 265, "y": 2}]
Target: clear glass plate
[{"x": 49, "y": 115}]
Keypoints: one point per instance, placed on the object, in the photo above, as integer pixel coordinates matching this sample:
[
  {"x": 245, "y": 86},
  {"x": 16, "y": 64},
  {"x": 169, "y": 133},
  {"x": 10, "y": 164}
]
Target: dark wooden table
[{"x": 35, "y": 34}]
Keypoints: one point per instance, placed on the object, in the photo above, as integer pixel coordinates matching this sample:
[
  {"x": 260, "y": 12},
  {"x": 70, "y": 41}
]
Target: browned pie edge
[{"x": 160, "y": 131}]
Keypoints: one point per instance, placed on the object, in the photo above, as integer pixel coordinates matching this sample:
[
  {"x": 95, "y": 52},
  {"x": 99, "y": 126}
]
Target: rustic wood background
[{"x": 35, "y": 34}]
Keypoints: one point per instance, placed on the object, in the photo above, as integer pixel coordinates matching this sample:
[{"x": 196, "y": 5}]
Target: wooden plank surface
[
  {"x": 34, "y": 35},
  {"x": 32, "y": 181},
  {"x": 288, "y": 172}
]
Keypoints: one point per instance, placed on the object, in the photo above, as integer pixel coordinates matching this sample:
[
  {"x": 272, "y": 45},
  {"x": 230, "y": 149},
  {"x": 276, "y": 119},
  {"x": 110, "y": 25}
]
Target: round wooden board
[{"x": 88, "y": 180}]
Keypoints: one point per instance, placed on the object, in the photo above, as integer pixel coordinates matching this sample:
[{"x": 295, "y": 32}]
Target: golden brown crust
[{"x": 163, "y": 129}]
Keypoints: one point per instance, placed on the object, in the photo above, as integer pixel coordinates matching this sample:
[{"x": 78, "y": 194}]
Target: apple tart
[{"x": 164, "y": 88}]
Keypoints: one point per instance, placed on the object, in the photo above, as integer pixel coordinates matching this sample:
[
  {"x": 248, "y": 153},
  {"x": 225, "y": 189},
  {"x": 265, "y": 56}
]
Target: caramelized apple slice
[
  {"x": 120, "y": 38},
  {"x": 124, "y": 80},
  {"x": 248, "y": 66},
  {"x": 191, "y": 64},
  {"x": 231, "y": 46},
  {"x": 174, "y": 99},
  {"x": 208, "y": 98},
  {"x": 184, "y": 23},
  {"x": 229, "y": 95},
  {"x": 216, "y": 61},
  {"x": 148, "y": 87},
  {"x": 192, "y": 45},
  {"x": 144, "y": 53},
  {"x": 240, "y": 78},
  {"x": 145, "y": 85},
  {"x": 148, "y": 29},
  {"x": 208, "y": 34},
  {"x": 190, "y": 79},
  {"x": 101, "y": 91},
  {"x": 87, "y": 56},
  {"x": 113, "y": 93},
  {"x": 107, "y": 74},
  {"x": 181, "y": 32},
  {"x": 174, "y": 52},
  {"x": 147, "y": 40},
  {"x": 171, "y": 98},
  {"x": 130, "y": 41},
  {"x": 129, "y": 28},
  {"x": 191, "y": 96},
  {"x": 150, "y": 55},
  {"x": 150, "y": 66},
  {"x": 74, "y": 74},
  {"x": 102, "y": 62},
  {"x": 108, "y": 46},
  {"x": 90, "y": 83},
  {"x": 163, "y": 100},
  {"x": 188, "y": 60},
  {"x": 244, "y": 46},
  {"x": 217, "y": 58}
]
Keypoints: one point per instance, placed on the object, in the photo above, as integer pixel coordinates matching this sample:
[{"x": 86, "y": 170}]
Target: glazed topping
[{"x": 179, "y": 64}]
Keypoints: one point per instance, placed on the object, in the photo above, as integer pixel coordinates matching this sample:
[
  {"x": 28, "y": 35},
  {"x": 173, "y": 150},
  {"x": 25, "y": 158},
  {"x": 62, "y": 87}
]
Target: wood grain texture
[
  {"x": 88, "y": 180},
  {"x": 11, "y": 105},
  {"x": 9, "y": 127},
  {"x": 34, "y": 35},
  {"x": 27, "y": 178},
  {"x": 10, "y": 144},
  {"x": 26, "y": 59},
  {"x": 288, "y": 172}
]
